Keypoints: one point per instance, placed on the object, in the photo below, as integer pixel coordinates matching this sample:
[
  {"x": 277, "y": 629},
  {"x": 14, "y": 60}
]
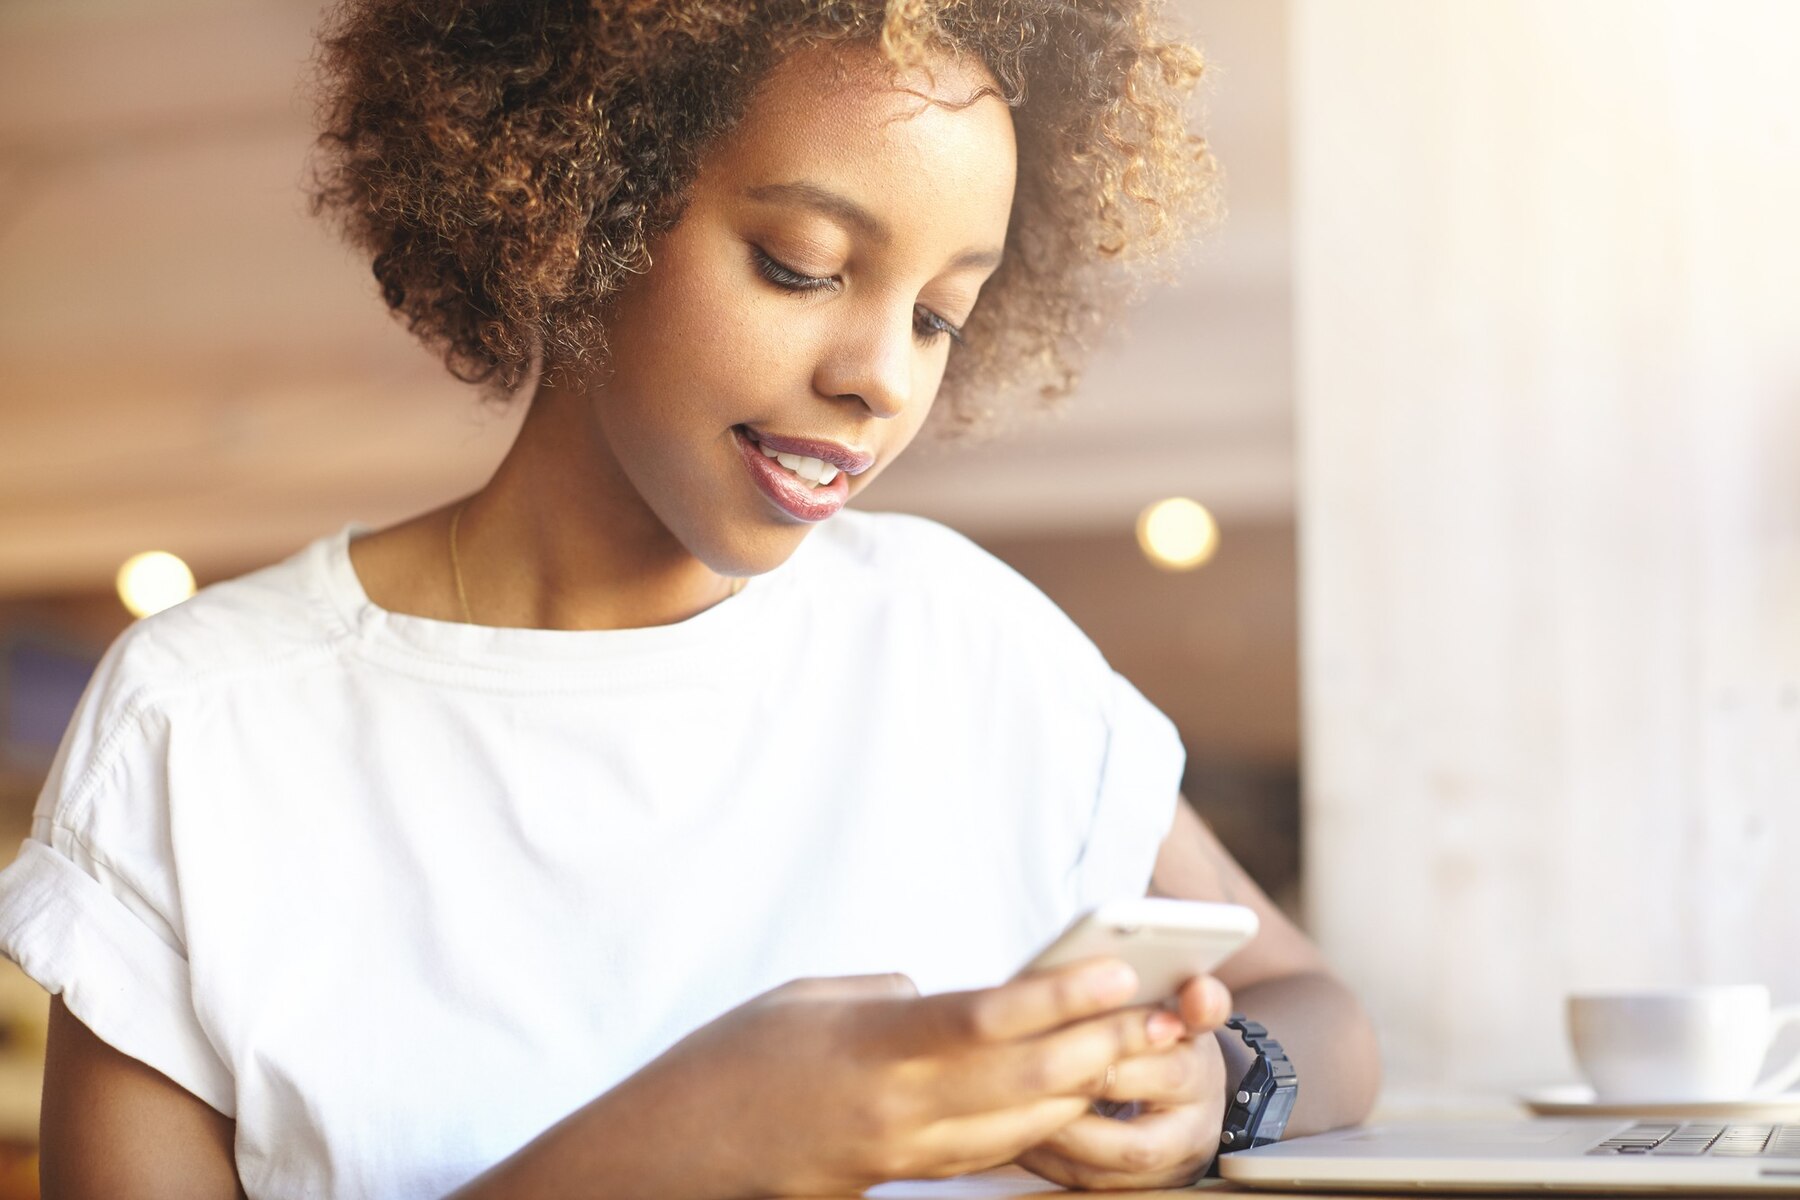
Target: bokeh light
[
  {"x": 152, "y": 581},
  {"x": 1177, "y": 534}
]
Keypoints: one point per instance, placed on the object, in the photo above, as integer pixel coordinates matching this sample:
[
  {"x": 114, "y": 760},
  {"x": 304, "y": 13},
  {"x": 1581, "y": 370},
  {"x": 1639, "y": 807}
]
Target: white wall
[{"x": 1548, "y": 312}]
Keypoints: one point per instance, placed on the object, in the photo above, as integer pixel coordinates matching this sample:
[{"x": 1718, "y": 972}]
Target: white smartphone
[{"x": 1167, "y": 942}]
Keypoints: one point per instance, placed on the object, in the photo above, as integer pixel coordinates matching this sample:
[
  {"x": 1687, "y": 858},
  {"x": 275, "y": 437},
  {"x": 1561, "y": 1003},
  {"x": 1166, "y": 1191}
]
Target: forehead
[{"x": 832, "y": 115}]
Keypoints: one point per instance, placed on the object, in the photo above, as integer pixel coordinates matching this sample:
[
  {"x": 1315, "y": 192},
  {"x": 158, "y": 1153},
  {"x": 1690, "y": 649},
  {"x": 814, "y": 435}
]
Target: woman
[{"x": 600, "y": 831}]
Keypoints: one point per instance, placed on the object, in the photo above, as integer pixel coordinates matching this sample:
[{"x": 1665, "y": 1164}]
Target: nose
[{"x": 871, "y": 360}]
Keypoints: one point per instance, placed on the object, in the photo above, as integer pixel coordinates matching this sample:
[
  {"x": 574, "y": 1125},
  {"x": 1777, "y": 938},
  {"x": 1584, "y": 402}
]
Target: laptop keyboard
[{"x": 1689, "y": 1138}]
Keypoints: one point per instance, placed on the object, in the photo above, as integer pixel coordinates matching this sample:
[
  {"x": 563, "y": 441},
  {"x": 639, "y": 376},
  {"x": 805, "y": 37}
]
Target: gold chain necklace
[
  {"x": 462, "y": 594},
  {"x": 456, "y": 564}
]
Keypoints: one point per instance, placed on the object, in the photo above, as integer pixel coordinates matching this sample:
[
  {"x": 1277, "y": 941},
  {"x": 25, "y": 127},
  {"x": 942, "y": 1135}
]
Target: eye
[
  {"x": 928, "y": 326},
  {"x": 787, "y": 278}
]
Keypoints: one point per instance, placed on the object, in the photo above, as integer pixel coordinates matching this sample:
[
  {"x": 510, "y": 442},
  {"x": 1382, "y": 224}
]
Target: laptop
[{"x": 1560, "y": 1154}]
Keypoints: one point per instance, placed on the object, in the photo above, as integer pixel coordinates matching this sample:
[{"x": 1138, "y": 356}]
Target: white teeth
[{"x": 812, "y": 470}]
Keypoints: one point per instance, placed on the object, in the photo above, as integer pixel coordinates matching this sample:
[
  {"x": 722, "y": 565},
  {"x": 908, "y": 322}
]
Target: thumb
[{"x": 1205, "y": 1004}]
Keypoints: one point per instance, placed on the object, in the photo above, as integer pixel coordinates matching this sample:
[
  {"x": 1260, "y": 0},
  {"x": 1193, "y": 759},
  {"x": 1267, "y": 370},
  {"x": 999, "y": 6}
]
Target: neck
[{"x": 560, "y": 539}]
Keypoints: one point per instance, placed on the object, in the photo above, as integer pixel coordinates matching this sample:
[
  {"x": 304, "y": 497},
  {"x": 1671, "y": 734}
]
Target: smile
[
  {"x": 814, "y": 471},
  {"x": 804, "y": 487}
]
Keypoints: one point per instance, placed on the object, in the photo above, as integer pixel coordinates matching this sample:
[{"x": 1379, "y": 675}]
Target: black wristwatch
[{"x": 1264, "y": 1098}]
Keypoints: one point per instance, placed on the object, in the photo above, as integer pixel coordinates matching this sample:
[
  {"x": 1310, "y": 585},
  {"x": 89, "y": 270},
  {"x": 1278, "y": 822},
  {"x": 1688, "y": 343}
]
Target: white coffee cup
[{"x": 1680, "y": 1044}]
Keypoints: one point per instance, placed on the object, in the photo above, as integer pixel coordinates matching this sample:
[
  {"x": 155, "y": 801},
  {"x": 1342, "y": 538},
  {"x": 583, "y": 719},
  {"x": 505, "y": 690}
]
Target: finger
[
  {"x": 1071, "y": 1061},
  {"x": 1161, "y": 1146},
  {"x": 1183, "y": 1074},
  {"x": 1082, "y": 1058},
  {"x": 1061, "y": 1169},
  {"x": 1204, "y": 1003},
  {"x": 1151, "y": 1145},
  {"x": 982, "y": 1140},
  {"x": 1052, "y": 1166},
  {"x": 847, "y": 987},
  {"x": 1074, "y": 1174},
  {"x": 1029, "y": 1005}
]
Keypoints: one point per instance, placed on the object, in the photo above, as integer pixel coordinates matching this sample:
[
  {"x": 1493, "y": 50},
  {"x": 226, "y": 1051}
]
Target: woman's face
[{"x": 828, "y": 246}]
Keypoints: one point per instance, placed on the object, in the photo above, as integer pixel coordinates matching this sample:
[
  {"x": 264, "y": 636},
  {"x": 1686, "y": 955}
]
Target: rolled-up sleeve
[
  {"x": 1140, "y": 783},
  {"x": 79, "y": 940},
  {"x": 90, "y": 909}
]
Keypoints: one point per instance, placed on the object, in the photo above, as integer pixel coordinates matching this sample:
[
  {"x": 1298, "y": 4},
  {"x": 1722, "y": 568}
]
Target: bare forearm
[
  {"x": 1327, "y": 1037},
  {"x": 599, "y": 1150}
]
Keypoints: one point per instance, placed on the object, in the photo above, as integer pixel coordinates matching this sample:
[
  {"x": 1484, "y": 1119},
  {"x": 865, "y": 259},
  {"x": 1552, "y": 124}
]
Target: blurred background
[{"x": 1487, "y": 655}]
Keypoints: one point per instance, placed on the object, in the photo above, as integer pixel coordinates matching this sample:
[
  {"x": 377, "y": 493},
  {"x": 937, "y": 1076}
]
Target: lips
[
  {"x": 789, "y": 493},
  {"x": 850, "y": 462}
]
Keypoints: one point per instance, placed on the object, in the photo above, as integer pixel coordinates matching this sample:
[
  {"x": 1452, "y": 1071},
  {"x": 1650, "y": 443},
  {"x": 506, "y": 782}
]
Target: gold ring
[{"x": 1112, "y": 1071}]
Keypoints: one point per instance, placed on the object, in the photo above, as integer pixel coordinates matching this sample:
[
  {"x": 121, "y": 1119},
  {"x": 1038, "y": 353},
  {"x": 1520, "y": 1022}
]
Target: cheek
[{"x": 717, "y": 341}]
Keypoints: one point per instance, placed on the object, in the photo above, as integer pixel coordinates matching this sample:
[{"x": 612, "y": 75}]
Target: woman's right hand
[{"x": 828, "y": 1086}]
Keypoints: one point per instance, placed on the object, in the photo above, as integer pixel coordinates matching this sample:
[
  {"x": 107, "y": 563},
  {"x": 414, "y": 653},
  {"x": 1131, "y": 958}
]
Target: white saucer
[{"x": 1577, "y": 1100}]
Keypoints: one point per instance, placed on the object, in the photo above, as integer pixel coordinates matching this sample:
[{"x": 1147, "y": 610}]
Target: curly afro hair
[{"x": 508, "y": 163}]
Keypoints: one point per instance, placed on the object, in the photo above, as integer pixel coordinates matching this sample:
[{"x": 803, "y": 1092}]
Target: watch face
[{"x": 1275, "y": 1114}]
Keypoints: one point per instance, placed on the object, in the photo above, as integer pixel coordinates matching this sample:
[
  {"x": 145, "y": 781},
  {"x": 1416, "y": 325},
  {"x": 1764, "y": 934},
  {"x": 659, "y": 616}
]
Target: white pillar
[{"x": 1548, "y": 258}]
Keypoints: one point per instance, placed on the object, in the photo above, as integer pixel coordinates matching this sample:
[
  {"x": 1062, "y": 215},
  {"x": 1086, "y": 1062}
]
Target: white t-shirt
[{"x": 398, "y": 894}]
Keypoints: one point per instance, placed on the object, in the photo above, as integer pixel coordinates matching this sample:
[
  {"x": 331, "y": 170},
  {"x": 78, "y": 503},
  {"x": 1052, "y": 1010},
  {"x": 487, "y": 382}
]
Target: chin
[{"x": 752, "y": 553}]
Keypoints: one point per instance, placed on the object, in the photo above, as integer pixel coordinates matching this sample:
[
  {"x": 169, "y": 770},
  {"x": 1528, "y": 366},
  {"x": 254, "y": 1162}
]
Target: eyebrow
[{"x": 842, "y": 208}]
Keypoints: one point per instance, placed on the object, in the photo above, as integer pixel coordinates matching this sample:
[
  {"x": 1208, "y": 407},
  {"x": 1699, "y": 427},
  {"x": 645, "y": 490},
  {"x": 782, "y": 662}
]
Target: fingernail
[
  {"x": 1218, "y": 999},
  {"x": 1164, "y": 1028},
  {"x": 1116, "y": 982}
]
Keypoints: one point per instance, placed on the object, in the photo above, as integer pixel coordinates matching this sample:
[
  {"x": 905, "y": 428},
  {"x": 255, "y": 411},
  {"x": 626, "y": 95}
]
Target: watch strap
[{"x": 1256, "y": 1112}]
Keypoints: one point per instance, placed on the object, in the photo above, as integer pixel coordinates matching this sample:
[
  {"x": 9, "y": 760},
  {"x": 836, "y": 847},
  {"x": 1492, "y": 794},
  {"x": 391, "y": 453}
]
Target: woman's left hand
[{"x": 1181, "y": 1096}]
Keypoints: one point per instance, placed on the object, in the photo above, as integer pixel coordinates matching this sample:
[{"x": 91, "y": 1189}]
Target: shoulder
[
  {"x": 931, "y": 555},
  {"x": 269, "y": 622},
  {"x": 925, "y": 568},
  {"x": 921, "y": 556},
  {"x": 260, "y": 621}
]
